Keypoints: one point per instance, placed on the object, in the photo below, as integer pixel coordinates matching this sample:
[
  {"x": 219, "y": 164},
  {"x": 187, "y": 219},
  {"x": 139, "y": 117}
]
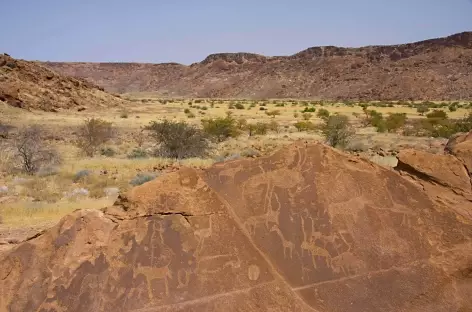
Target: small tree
[
  {"x": 221, "y": 128},
  {"x": 337, "y": 130},
  {"x": 323, "y": 113},
  {"x": 93, "y": 134},
  {"x": 304, "y": 126},
  {"x": 395, "y": 121},
  {"x": 273, "y": 113},
  {"x": 307, "y": 116},
  {"x": 178, "y": 139},
  {"x": 259, "y": 128},
  {"x": 422, "y": 109},
  {"x": 32, "y": 152},
  {"x": 5, "y": 130}
]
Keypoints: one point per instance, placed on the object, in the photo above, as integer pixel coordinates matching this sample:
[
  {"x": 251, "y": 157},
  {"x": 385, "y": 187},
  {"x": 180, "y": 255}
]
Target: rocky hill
[
  {"x": 32, "y": 86},
  {"x": 306, "y": 229},
  {"x": 436, "y": 69}
]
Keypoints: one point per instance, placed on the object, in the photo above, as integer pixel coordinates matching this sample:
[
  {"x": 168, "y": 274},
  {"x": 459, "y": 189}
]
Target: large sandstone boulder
[
  {"x": 306, "y": 229},
  {"x": 461, "y": 147}
]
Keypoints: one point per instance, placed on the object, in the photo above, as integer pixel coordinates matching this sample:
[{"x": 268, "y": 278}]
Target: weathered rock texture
[
  {"x": 306, "y": 229},
  {"x": 32, "y": 86},
  {"x": 436, "y": 69}
]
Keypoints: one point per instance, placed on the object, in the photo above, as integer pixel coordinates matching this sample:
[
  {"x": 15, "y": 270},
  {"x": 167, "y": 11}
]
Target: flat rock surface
[{"x": 306, "y": 229}]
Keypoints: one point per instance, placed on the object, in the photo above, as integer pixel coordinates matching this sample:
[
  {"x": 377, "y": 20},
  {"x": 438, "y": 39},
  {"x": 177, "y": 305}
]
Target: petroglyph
[{"x": 307, "y": 229}]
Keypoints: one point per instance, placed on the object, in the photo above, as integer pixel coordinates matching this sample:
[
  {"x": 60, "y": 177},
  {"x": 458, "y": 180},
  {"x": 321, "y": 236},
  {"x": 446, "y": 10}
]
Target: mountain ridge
[{"x": 327, "y": 72}]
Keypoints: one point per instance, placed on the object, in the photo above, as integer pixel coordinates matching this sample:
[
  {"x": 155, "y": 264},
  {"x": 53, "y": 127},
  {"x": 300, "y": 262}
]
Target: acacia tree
[
  {"x": 93, "y": 134},
  {"x": 337, "y": 130},
  {"x": 31, "y": 151},
  {"x": 178, "y": 139}
]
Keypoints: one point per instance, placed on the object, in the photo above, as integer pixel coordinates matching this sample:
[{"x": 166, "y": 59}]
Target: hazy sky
[{"x": 186, "y": 31}]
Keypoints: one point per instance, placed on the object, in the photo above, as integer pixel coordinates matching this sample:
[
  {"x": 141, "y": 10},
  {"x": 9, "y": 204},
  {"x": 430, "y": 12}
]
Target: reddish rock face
[
  {"x": 29, "y": 85},
  {"x": 436, "y": 69},
  {"x": 306, "y": 229}
]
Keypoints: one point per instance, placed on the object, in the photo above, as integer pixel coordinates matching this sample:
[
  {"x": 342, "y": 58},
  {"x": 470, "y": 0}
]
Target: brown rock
[
  {"x": 29, "y": 85},
  {"x": 306, "y": 229},
  {"x": 445, "y": 170},
  {"x": 430, "y": 70},
  {"x": 456, "y": 139}
]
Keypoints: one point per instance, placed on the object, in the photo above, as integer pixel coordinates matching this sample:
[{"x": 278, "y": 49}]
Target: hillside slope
[
  {"x": 436, "y": 69},
  {"x": 32, "y": 86}
]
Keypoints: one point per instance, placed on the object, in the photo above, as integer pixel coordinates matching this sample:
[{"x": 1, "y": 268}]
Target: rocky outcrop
[
  {"x": 436, "y": 69},
  {"x": 306, "y": 229},
  {"x": 29, "y": 85}
]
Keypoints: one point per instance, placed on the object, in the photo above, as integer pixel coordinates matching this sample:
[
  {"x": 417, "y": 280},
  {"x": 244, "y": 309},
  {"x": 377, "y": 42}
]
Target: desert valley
[{"x": 334, "y": 179}]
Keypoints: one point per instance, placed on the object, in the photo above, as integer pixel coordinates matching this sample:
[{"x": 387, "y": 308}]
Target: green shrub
[
  {"x": 453, "y": 108},
  {"x": 221, "y": 128},
  {"x": 93, "y": 134},
  {"x": 259, "y": 128},
  {"x": 142, "y": 178},
  {"x": 273, "y": 126},
  {"x": 178, "y": 139},
  {"x": 137, "y": 153},
  {"x": 395, "y": 121},
  {"x": 107, "y": 151},
  {"x": 307, "y": 116},
  {"x": 437, "y": 114},
  {"x": 323, "y": 113},
  {"x": 239, "y": 106},
  {"x": 304, "y": 126},
  {"x": 81, "y": 175},
  {"x": 309, "y": 110},
  {"x": 337, "y": 130},
  {"x": 422, "y": 109},
  {"x": 273, "y": 113}
]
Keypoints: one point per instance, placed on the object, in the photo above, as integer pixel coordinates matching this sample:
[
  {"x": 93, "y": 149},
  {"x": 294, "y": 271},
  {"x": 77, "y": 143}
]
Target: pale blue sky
[{"x": 186, "y": 31}]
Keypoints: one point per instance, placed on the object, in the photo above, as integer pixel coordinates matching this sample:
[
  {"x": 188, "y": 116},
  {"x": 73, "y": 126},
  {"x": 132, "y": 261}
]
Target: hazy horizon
[{"x": 186, "y": 32}]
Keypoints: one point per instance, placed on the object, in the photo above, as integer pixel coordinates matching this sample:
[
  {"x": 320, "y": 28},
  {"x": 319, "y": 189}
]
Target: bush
[
  {"x": 453, "y": 108},
  {"x": 259, "y": 128},
  {"x": 31, "y": 151},
  {"x": 273, "y": 113},
  {"x": 395, "y": 121},
  {"x": 273, "y": 126},
  {"x": 221, "y": 128},
  {"x": 262, "y": 108},
  {"x": 124, "y": 115},
  {"x": 107, "y": 151},
  {"x": 437, "y": 114},
  {"x": 323, "y": 113},
  {"x": 337, "y": 130},
  {"x": 375, "y": 119},
  {"x": 241, "y": 123},
  {"x": 81, "y": 175},
  {"x": 5, "y": 130},
  {"x": 422, "y": 109},
  {"x": 304, "y": 126},
  {"x": 309, "y": 110},
  {"x": 239, "y": 106},
  {"x": 93, "y": 134},
  {"x": 307, "y": 116},
  {"x": 187, "y": 111},
  {"x": 178, "y": 139},
  {"x": 142, "y": 178},
  {"x": 137, "y": 153}
]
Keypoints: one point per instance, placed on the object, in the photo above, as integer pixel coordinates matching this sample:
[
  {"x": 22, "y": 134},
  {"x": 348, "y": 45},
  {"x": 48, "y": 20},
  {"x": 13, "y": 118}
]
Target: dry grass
[
  {"x": 48, "y": 192},
  {"x": 27, "y": 213}
]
